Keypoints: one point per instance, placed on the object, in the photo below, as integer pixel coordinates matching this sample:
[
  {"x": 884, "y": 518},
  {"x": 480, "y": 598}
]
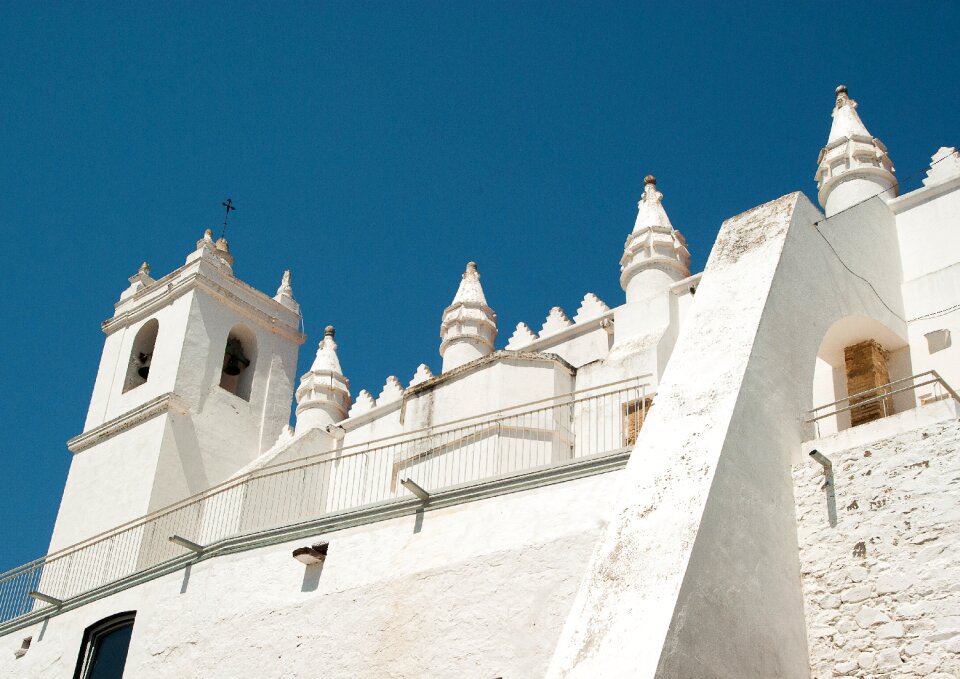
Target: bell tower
[{"x": 195, "y": 381}]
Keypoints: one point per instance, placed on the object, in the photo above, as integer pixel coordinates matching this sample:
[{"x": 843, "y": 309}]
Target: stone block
[
  {"x": 847, "y": 667},
  {"x": 857, "y": 594},
  {"x": 866, "y": 660},
  {"x": 868, "y": 617},
  {"x": 891, "y": 630},
  {"x": 891, "y": 583}
]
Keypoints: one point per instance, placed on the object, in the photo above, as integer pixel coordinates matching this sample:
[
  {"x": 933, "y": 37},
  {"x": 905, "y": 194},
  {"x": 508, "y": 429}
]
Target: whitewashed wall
[{"x": 475, "y": 590}]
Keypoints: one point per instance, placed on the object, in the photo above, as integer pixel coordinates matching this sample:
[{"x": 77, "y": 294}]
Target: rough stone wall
[
  {"x": 866, "y": 365},
  {"x": 880, "y": 585}
]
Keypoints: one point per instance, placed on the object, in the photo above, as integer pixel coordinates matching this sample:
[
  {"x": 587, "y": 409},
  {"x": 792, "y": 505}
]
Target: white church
[{"x": 748, "y": 472}]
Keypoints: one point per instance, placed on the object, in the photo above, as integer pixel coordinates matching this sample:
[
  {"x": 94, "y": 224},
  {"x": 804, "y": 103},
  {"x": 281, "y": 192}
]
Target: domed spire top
[
  {"x": 650, "y": 212},
  {"x": 842, "y": 97},
  {"x": 326, "y": 360}
]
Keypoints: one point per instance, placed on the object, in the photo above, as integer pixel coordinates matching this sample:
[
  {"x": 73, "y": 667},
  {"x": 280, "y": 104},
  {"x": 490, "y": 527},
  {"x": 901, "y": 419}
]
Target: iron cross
[{"x": 228, "y": 206}]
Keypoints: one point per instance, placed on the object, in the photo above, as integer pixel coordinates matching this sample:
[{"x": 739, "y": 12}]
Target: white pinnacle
[
  {"x": 285, "y": 293},
  {"x": 470, "y": 289},
  {"x": 846, "y": 120},
  {"x": 655, "y": 254},
  {"x": 650, "y": 212},
  {"x": 854, "y": 166},
  {"x": 323, "y": 397},
  {"x": 469, "y": 327},
  {"x": 327, "y": 359}
]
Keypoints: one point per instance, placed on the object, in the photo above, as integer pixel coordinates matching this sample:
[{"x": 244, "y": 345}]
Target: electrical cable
[{"x": 816, "y": 226}]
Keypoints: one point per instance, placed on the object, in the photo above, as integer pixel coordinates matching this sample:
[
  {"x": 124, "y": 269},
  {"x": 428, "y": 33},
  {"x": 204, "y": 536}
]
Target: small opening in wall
[
  {"x": 634, "y": 413},
  {"x": 141, "y": 355},
  {"x": 239, "y": 354}
]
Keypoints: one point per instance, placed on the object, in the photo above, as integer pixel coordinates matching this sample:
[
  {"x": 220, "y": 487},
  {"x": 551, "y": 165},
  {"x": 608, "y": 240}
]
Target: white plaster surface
[
  {"x": 879, "y": 555},
  {"x": 476, "y": 590}
]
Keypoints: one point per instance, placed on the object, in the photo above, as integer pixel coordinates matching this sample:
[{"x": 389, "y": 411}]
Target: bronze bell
[
  {"x": 233, "y": 359},
  {"x": 144, "y": 369}
]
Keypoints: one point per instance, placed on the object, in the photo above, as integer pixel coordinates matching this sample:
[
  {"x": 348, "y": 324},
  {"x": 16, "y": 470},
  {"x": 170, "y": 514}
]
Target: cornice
[
  {"x": 198, "y": 279},
  {"x": 924, "y": 193},
  {"x": 156, "y": 406}
]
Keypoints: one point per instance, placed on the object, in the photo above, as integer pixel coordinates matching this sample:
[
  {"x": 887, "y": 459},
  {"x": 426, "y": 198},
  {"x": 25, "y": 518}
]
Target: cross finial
[{"x": 228, "y": 206}]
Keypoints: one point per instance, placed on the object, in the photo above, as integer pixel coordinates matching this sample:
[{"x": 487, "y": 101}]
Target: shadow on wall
[{"x": 311, "y": 577}]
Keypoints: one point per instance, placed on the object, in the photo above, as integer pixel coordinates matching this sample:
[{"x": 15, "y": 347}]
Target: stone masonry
[
  {"x": 879, "y": 557},
  {"x": 866, "y": 365}
]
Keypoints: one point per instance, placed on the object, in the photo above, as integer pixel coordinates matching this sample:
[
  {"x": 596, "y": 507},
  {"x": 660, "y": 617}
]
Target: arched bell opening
[
  {"x": 858, "y": 357},
  {"x": 141, "y": 355},
  {"x": 239, "y": 356}
]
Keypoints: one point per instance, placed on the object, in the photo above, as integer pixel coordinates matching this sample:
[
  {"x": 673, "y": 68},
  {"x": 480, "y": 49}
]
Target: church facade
[{"x": 750, "y": 471}]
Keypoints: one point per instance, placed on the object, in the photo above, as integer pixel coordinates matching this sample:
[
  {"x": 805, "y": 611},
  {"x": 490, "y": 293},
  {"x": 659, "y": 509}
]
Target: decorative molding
[
  {"x": 422, "y": 375},
  {"x": 556, "y": 321},
  {"x": 392, "y": 391},
  {"x": 285, "y": 323},
  {"x": 363, "y": 404},
  {"x": 156, "y": 406},
  {"x": 522, "y": 336},
  {"x": 591, "y": 307}
]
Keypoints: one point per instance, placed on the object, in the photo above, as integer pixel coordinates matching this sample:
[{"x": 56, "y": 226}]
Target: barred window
[{"x": 634, "y": 413}]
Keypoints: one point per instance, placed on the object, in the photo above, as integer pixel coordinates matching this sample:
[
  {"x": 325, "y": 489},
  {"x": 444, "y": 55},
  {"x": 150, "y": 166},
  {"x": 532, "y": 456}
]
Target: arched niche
[
  {"x": 851, "y": 346},
  {"x": 141, "y": 355},
  {"x": 239, "y": 359}
]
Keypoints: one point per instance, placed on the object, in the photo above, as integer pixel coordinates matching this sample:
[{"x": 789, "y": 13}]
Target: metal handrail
[
  {"x": 576, "y": 425},
  {"x": 884, "y": 393}
]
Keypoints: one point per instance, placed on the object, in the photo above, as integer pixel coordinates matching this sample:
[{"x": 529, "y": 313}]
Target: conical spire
[
  {"x": 469, "y": 326},
  {"x": 655, "y": 254},
  {"x": 854, "y": 165},
  {"x": 470, "y": 289},
  {"x": 846, "y": 121},
  {"x": 324, "y": 394}
]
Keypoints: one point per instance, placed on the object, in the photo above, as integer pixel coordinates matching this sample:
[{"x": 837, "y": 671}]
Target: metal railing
[
  {"x": 510, "y": 442},
  {"x": 884, "y": 396}
]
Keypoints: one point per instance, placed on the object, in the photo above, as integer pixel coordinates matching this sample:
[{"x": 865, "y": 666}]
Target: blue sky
[{"x": 375, "y": 148}]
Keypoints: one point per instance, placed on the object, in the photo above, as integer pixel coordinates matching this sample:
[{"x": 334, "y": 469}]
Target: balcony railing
[
  {"x": 514, "y": 441},
  {"x": 883, "y": 395}
]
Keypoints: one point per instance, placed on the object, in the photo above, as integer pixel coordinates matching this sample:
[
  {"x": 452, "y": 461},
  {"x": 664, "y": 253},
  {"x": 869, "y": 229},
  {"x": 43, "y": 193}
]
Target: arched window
[
  {"x": 141, "y": 355},
  {"x": 103, "y": 652},
  {"x": 239, "y": 356}
]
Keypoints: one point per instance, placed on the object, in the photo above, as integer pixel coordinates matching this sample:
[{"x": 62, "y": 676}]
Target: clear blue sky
[{"x": 375, "y": 148}]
